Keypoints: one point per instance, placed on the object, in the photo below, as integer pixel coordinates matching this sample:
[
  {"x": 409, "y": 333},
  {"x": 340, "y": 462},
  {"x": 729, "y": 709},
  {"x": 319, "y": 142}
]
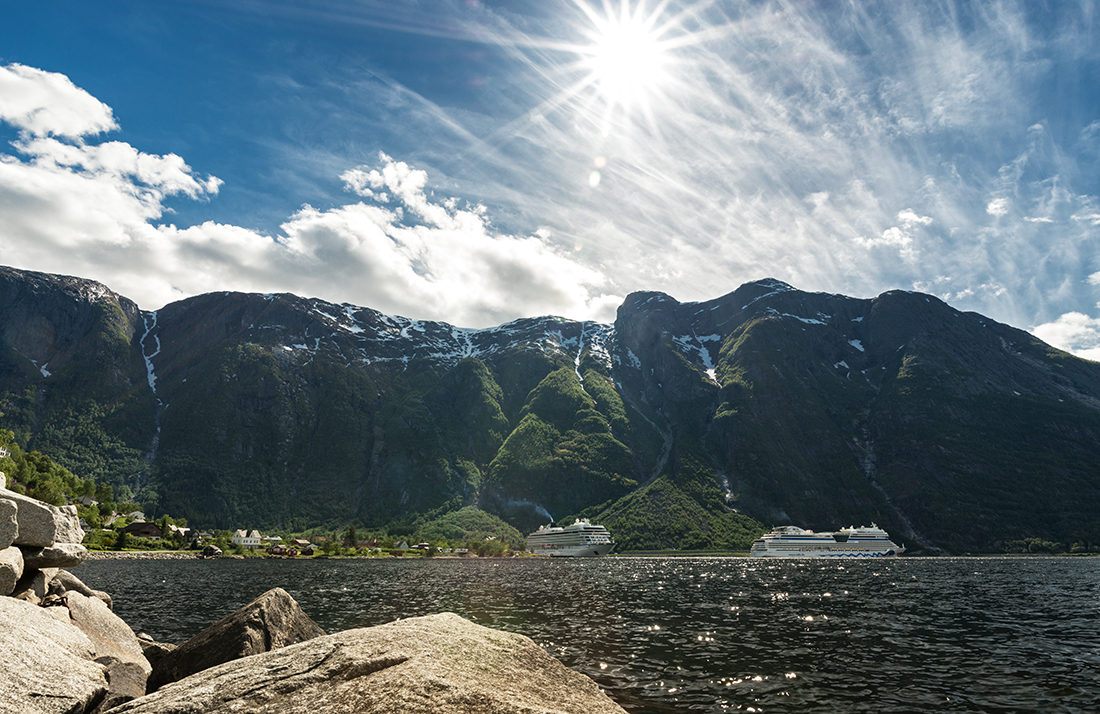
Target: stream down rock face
[
  {"x": 437, "y": 663},
  {"x": 271, "y": 621}
]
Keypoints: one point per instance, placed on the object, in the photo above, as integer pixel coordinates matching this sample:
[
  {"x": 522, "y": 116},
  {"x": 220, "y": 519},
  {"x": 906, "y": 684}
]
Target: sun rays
[
  {"x": 627, "y": 60},
  {"x": 623, "y": 65}
]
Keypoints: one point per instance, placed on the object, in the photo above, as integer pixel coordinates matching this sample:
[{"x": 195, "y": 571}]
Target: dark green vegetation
[
  {"x": 36, "y": 475},
  {"x": 683, "y": 426}
]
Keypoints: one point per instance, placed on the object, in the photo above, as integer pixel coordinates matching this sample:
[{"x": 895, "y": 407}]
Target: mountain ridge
[{"x": 765, "y": 405}]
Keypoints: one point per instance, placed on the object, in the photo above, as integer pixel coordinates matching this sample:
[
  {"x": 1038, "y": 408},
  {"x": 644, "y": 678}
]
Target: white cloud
[
  {"x": 93, "y": 210},
  {"x": 43, "y": 103},
  {"x": 1073, "y": 332},
  {"x": 997, "y": 207},
  {"x": 900, "y": 236},
  {"x": 909, "y": 219},
  {"x": 435, "y": 258}
]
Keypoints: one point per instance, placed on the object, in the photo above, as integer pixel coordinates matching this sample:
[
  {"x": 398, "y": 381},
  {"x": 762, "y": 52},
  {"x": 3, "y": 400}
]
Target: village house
[
  {"x": 248, "y": 541},
  {"x": 187, "y": 535},
  {"x": 141, "y": 529}
]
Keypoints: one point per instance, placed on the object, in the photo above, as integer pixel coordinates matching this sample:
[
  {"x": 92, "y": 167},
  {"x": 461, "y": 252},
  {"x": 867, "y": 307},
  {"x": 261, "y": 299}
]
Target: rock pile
[
  {"x": 36, "y": 539},
  {"x": 63, "y": 650}
]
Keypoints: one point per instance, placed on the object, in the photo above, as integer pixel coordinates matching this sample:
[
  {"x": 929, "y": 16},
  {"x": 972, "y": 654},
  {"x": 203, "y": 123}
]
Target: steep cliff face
[
  {"x": 824, "y": 410},
  {"x": 71, "y": 372},
  {"x": 677, "y": 426}
]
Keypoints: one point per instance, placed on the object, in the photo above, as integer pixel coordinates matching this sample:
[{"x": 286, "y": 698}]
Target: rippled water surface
[{"x": 705, "y": 634}]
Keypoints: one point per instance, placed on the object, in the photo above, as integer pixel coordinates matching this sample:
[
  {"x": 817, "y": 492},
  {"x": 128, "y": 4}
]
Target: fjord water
[{"x": 705, "y": 634}]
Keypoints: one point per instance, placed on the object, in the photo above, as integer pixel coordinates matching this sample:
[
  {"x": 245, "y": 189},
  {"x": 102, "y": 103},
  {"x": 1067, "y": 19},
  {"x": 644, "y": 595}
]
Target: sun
[{"x": 627, "y": 58}]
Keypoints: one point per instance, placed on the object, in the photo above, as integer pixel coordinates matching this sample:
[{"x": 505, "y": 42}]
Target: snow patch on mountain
[
  {"x": 694, "y": 345},
  {"x": 807, "y": 320}
]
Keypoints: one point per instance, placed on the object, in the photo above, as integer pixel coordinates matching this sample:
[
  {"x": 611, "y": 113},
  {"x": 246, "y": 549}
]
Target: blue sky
[{"x": 475, "y": 161}]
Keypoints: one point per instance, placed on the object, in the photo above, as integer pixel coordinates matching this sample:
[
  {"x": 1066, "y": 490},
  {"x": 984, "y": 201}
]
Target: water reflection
[{"x": 706, "y": 634}]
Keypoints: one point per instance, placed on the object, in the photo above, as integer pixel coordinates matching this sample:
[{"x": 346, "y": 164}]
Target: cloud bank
[{"x": 97, "y": 209}]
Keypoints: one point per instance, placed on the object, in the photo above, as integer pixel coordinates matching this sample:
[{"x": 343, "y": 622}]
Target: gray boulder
[
  {"x": 109, "y": 635},
  {"x": 41, "y": 524},
  {"x": 154, "y": 651},
  {"x": 33, "y": 585},
  {"x": 438, "y": 663},
  {"x": 47, "y": 662},
  {"x": 9, "y": 526},
  {"x": 65, "y": 581},
  {"x": 58, "y": 555},
  {"x": 11, "y": 569},
  {"x": 125, "y": 683},
  {"x": 271, "y": 621}
]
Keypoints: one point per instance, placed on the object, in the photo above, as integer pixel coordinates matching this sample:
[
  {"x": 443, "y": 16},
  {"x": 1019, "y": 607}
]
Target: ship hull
[
  {"x": 826, "y": 553},
  {"x": 586, "y": 551}
]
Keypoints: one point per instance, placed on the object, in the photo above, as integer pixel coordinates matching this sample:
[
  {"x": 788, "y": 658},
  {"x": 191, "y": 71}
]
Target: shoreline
[{"x": 141, "y": 555}]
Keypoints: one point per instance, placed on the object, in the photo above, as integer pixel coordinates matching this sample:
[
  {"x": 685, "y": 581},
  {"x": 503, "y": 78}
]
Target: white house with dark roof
[{"x": 248, "y": 540}]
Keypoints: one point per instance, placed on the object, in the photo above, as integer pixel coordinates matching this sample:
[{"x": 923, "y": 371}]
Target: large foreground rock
[
  {"x": 438, "y": 663},
  {"x": 271, "y": 621},
  {"x": 46, "y": 663}
]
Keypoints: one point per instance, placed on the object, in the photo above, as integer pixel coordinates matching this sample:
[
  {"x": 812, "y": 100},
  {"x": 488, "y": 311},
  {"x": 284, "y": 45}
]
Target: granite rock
[
  {"x": 438, "y": 663},
  {"x": 65, "y": 581},
  {"x": 11, "y": 569},
  {"x": 271, "y": 621},
  {"x": 9, "y": 526},
  {"x": 58, "y": 555},
  {"x": 125, "y": 683},
  {"x": 154, "y": 651},
  {"x": 47, "y": 663},
  {"x": 34, "y": 584},
  {"x": 109, "y": 635},
  {"x": 41, "y": 524}
]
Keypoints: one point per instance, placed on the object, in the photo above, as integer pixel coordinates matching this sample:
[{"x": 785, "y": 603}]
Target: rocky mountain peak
[{"x": 821, "y": 410}]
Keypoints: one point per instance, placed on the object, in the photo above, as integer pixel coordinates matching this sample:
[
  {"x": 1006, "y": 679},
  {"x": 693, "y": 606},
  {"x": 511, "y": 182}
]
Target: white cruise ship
[
  {"x": 578, "y": 540},
  {"x": 851, "y": 542}
]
